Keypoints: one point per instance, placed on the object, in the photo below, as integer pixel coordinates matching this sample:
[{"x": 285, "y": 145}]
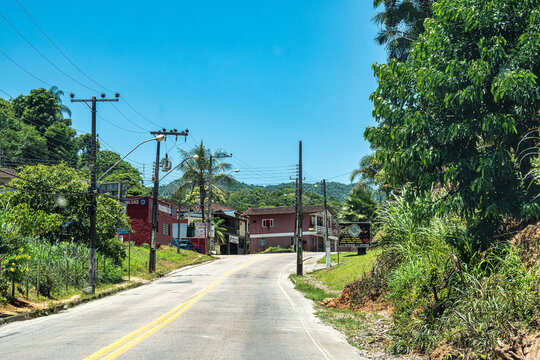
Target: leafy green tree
[
  {"x": 196, "y": 172},
  {"x": 34, "y": 131},
  {"x": 123, "y": 171},
  {"x": 400, "y": 23},
  {"x": 62, "y": 191},
  {"x": 359, "y": 206},
  {"x": 452, "y": 116},
  {"x": 57, "y": 93}
]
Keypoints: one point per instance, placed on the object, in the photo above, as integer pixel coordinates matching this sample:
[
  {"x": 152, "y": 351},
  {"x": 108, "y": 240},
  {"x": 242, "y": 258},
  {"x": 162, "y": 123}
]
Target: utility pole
[
  {"x": 209, "y": 238},
  {"x": 208, "y": 218},
  {"x": 92, "y": 191},
  {"x": 325, "y": 219},
  {"x": 155, "y": 200},
  {"x": 296, "y": 217},
  {"x": 299, "y": 255}
]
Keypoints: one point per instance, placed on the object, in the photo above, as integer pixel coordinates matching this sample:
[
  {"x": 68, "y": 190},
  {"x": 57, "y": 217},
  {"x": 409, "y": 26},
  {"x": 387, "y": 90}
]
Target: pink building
[{"x": 275, "y": 227}]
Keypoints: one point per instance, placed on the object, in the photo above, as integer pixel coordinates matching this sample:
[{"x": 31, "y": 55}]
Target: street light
[
  {"x": 210, "y": 205},
  {"x": 325, "y": 220},
  {"x": 157, "y": 138},
  {"x": 209, "y": 217},
  {"x": 91, "y": 271}
]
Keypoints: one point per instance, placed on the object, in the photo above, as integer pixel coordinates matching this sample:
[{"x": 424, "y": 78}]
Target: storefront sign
[{"x": 233, "y": 239}]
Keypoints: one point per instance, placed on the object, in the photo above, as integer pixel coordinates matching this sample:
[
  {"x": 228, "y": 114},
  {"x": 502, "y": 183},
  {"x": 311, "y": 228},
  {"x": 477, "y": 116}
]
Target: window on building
[
  {"x": 262, "y": 242},
  {"x": 166, "y": 229},
  {"x": 312, "y": 221},
  {"x": 268, "y": 223},
  {"x": 313, "y": 242}
]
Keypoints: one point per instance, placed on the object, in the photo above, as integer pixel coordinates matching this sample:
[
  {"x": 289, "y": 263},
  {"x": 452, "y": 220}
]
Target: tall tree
[
  {"x": 452, "y": 115},
  {"x": 400, "y": 24},
  {"x": 359, "y": 206},
  {"x": 196, "y": 174}
]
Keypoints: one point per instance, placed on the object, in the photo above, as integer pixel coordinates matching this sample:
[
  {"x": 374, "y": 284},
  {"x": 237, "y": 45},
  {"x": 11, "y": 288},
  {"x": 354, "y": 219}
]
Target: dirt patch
[
  {"x": 528, "y": 240},
  {"x": 522, "y": 347}
]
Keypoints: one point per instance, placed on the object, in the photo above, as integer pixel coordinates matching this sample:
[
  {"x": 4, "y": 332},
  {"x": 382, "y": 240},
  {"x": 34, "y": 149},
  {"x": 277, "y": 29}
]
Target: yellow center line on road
[{"x": 125, "y": 343}]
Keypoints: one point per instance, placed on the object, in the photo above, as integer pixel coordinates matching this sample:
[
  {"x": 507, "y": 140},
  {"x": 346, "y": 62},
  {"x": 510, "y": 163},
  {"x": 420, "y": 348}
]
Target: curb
[{"x": 60, "y": 307}]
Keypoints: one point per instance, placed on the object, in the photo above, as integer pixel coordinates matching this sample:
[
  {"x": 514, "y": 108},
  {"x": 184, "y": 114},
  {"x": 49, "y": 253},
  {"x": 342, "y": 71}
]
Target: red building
[
  {"x": 275, "y": 227},
  {"x": 139, "y": 209}
]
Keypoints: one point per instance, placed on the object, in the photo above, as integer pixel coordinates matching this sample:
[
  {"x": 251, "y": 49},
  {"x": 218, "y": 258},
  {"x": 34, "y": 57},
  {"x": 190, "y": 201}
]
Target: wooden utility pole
[
  {"x": 155, "y": 200},
  {"x": 209, "y": 217},
  {"x": 299, "y": 255},
  {"x": 325, "y": 219},
  {"x": 92, "y": 190}
]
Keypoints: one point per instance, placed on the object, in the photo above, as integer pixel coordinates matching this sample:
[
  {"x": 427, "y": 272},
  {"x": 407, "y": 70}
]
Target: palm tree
[
  {"x": 196, "y": 172},
  {"x": 359, "y": 206},
  {"x": 58, "y": 96},
  {"x": 400, "y": 23}
]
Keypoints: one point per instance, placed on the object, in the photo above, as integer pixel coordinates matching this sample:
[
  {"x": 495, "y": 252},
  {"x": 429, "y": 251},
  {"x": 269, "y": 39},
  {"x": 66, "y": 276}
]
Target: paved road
[{"x": 238, "y": 307}]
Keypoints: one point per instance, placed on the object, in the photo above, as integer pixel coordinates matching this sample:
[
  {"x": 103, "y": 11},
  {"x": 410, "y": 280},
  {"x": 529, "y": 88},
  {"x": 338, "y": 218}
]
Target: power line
[
  {"x": 128, "y": 119},
  {"x": 2, "y": 91},
  {"x": 26, "y": 71},
  {"x": 138, "y": 113},
  {"x": 59, "y": 50},
  {"x": 119, "y": 127},
  {"x": 43, "y": 56}
]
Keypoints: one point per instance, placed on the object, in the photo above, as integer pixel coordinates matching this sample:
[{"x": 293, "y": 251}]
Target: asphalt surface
[{"x": 237, "y": 307}]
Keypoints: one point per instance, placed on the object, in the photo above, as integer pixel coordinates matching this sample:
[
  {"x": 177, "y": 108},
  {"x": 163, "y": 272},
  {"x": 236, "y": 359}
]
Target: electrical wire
[
  {"x": 43, "y": 56},
  {"x": 26, "y": 71},
  {"x": 119, "y": 127},
  {"x": 138, "y": 113},
  {"x": 128, "y": 119},
  {"x": 2, "y": 91},
  {"x": 59, "y": 50}
]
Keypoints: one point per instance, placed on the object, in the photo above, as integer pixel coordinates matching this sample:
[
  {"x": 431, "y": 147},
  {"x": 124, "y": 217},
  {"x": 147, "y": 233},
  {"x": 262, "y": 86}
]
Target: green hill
[{"x": 333, "y": 189}]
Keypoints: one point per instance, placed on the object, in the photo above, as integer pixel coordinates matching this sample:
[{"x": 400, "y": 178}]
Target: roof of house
[
  {"x": 284, "y": 210},
  {"x": 215, "y": 207}
]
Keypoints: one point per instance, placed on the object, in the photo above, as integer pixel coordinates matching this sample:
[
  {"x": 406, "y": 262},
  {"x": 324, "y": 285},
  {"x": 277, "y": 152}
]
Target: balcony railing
[{"x": 322, "y": 230}]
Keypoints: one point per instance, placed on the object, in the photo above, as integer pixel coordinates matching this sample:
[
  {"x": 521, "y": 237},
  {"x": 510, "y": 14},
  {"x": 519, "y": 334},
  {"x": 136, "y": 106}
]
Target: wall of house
[
  {"x": 140, "y": 212},
  {"x": 282, "y": 231}
]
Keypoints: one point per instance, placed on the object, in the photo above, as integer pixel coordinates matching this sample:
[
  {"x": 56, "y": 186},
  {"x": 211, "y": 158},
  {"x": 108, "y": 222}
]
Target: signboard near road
[
  {"x": 357, "y": 234},
  {"x": 122, "y": 231},
  {"x": 233, "y": 239}
]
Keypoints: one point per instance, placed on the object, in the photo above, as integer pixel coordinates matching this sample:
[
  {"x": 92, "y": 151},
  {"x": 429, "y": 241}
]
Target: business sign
[
  {"x": 165, "y": 209},
  {"x": 136, "y": 202},
  {"x": 199, "y": 230},
  {"x": 233, "y": 239},
  {"x": 122, "y": 231},
  {"x": 355, "y": 234}
]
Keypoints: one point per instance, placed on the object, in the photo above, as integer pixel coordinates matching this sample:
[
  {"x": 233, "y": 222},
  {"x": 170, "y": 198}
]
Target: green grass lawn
[
  {"x": 166, "y": 260},
  {"x": 343, "y": 257},
  {"x": 352, "y": 269}
]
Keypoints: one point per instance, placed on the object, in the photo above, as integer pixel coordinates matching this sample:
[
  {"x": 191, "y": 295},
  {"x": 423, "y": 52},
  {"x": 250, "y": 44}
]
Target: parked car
[{"x": 187, "y": 245}]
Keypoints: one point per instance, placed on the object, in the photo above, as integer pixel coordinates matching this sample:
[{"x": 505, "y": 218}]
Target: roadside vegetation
[{"x": 277, "y": 250}]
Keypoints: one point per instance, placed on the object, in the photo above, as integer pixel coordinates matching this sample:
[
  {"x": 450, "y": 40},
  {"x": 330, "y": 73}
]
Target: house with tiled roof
[{"x": 275, "y": 227}]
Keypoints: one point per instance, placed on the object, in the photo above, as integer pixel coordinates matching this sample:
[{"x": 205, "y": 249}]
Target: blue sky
[{"x": 249, "y": 77}]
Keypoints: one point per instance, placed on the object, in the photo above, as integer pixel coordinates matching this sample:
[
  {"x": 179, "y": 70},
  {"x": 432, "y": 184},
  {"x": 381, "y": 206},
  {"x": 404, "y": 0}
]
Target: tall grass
[{"x": 439, "y": 295}]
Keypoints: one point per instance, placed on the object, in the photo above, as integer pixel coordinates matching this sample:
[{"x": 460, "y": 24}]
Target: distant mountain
[{"x": 333, "y": 189}]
